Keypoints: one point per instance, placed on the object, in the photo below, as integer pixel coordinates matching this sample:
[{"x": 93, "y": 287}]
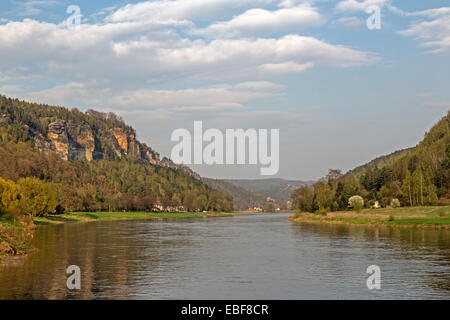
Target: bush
[
  {"x": 37, "y": 197},
  {"x": 335, "y": 207},
  {"x": 441, "y": 212},
  {"x": 356, "y": 202},
  {"x": 322, "y": 211},
  {"x": 9, "y": 197},
  {"x": 395, "y": 203}
]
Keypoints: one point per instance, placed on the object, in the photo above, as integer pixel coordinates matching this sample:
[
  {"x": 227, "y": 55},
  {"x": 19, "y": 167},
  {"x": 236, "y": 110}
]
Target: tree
[
  {"x": 37, "y": 197},
  {"x": 201, "y": 203},
  {"x": 9, "y": 197},
  {"x": 407, "y": 188},
  {"x": 395, "y": 203},
  {"x": 302, "y": 199},
  {"x": 356, "y": 202},
  {"x": 323, "y": 196}
]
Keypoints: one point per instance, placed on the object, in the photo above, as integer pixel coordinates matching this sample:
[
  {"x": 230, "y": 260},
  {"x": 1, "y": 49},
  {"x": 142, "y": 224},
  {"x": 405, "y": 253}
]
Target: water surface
[{"x": 242, "y": 257}]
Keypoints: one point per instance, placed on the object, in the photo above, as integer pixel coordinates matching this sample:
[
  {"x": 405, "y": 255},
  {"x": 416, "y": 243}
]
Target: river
[{"x": 240, "y": 257}]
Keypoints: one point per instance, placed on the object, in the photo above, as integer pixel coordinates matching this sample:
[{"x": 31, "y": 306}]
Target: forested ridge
[
  {"x": 410, "y": 177},
  {"x": 75, "y": 161},
  {"x": 243, "y": 199}
]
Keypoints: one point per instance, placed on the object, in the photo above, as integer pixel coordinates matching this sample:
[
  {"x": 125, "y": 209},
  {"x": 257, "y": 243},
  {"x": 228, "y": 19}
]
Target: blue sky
[{"x": 340, "y": 94}]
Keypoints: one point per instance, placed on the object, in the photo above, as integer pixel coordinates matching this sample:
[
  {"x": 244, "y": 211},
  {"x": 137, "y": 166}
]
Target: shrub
[
  {"x": 441, "y": 212},
  {"x": 395, "y": 203},
  {"x": 37, "y": 197},
  {"x": 356, "y": 202},
  {"x": 322, "y": 211},
  {"x": 9, "y": 197},
  {"x": 335, "y": 206}
]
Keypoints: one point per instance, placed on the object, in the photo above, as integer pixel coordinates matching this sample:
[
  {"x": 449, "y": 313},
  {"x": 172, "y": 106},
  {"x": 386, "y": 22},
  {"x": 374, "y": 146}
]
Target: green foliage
[
  {"x": 356, "y": 202},
  {"x": 242, "y": 198},
  {"x": 37, "y": 197},
  {"x": 395, "y": 203},
  {"x": 30, "y": 196},
  {"x": 417, "y": 176},
  {"x": 303, "y": 198},
  {"x": 9, "y": 197},
  {"x": 108, "y": 184}
]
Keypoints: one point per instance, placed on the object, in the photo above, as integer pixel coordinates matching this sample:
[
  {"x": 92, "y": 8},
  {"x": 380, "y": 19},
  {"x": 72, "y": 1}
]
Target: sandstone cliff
[{"x": 76, "y": 135}]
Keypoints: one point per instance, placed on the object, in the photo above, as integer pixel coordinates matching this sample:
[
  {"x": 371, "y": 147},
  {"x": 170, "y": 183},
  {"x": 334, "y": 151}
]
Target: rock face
[
  {"x": 122, "y": 141},
  {"x": 57, "y": 133},
  {"x": 80, "y": 142},
  {"x": 76, "y": 135},
  {"x": 87, "y": 141}
]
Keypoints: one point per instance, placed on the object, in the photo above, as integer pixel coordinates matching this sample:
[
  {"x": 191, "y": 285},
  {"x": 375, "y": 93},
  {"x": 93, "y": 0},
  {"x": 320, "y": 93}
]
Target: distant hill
[
  {"x": 276, "y": 188},
  {"x": 242, "y": 198}
]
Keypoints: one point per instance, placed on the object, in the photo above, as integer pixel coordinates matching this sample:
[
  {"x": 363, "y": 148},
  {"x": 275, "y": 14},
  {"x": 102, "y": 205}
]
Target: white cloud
[
  {"x": 426, "y": 94},
  {"x": 261, "y": 21},
  {"x": 431, "y": 13},
  {"x": 179, "y": 9},
  {"x": 354, "y": 5},
  {"x": 11, "y": 89},
  {"x": 116, "y": 65},
  {"x": 277, "y": 69},
  {"x": 432, "y": 33},
  {"x": 258, "y": 85},
  {"x": 33, "y": 7},
  {"x": 226, "y": 58},
  {"x": 349, "y": 22},
  {"x": 212, "y": 98},
  {"x": 114, "y": 52}
]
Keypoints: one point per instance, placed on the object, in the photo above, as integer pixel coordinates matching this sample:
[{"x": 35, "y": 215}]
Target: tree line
[
  {"x": 111, "y": 184},
  {"x": 101, "y": 185},
  {"x": 421, "y": 177}
]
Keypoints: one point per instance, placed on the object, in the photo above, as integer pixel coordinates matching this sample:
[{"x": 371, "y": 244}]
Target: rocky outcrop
[
  {"x": 87, "y": 141},
  {"x": 166, "y": 162},
  {"x": 57, "y": 133},
  {"x": 150, "y": 155},
  {"x": 76, "y": 135},
  {"x": 127, "y": 145},
  {"x": 121, "y": 139},
  {"x": 71, "y": 142},
  {"x": 82, "y": 142}
]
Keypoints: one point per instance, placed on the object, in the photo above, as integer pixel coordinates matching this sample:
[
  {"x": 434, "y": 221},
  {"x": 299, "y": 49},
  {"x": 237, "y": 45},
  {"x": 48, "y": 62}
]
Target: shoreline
[
  {"x": 407, "y": 217},
  {"x": 84, "y": 217}
]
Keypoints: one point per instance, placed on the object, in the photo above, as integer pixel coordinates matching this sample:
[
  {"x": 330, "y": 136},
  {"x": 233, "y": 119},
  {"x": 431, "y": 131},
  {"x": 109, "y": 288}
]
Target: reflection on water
[{"x": 243, "y": 257}]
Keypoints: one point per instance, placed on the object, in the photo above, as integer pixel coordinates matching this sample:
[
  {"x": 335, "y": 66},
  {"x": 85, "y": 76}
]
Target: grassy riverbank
[
  {"x": 15, "y": 236},
  {"x": 102, "y": 216},
  {"x": 429, "y": 217}
]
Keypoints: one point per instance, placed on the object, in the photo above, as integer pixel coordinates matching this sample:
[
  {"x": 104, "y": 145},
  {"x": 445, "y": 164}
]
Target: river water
[{"x": 241, "y": 257}]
